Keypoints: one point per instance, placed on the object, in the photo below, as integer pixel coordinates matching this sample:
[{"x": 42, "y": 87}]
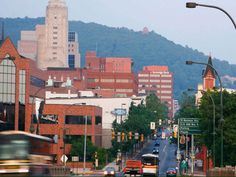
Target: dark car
[
  {"x": 155, "y": 150},
  {"x": 171, "y": 172},
  {"x": 109, "y": 171},
  {"x": 157, "y": 143}
]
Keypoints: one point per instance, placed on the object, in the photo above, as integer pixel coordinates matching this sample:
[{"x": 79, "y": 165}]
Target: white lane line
[{"x": 164, "y": 149}]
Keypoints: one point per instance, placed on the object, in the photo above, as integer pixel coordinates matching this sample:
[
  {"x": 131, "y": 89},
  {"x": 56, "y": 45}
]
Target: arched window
[{"x": 7, "y": 80}]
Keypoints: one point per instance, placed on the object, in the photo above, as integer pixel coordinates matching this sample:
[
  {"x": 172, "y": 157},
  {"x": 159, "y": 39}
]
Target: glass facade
[
  {"x": 71, "y": 61},
  {"x": 7, "y": 94}
]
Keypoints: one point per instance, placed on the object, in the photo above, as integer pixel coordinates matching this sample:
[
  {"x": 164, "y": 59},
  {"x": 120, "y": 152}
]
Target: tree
[{"x": 229, "y": 126}]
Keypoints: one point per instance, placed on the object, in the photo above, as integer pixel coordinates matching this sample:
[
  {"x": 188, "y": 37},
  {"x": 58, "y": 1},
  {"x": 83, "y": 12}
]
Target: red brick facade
[{"x": 209, "y": 77}]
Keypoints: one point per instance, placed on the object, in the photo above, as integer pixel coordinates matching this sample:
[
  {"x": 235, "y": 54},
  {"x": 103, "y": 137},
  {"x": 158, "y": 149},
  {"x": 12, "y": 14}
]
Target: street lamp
[
  {"x": 85, "y": 134},
  {"x": 221, "y": 106},
  {"x": 32, "y": 129},
  {"x": 213, "y": 121},
  {"x": 194, "y": 5}
]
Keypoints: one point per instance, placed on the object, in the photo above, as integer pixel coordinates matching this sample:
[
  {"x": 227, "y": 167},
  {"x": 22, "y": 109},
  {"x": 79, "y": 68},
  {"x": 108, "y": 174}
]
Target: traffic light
[
  {"x": 130, "y": 135},
  {"x": 96, "y": 155},
  {"x": 175, "y": 134},
  {"x": 142, "y": 138},
  {"x": 122, "y": 136},
  {"x": 112, "y": 135}
]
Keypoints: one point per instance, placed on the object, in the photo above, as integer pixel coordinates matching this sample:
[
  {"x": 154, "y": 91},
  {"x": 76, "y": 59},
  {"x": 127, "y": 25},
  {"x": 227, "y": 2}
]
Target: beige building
[{"x": 50, "y": 44}]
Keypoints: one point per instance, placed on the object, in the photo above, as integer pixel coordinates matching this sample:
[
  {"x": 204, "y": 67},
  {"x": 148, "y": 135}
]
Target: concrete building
[
  {"x": 51, "y": 45},
  {"x": 157, "y": 80}
]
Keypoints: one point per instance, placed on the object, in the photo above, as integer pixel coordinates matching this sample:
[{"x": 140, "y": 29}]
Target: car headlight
[
  {"x": 105, "y": 172},
  {"x": 112, "y": 172}
]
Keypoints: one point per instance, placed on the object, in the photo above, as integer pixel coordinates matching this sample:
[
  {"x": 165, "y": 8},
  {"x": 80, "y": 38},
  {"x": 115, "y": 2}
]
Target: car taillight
[
  {"x": 124, "y": 170},
  {"x": 141, "y": 171}
]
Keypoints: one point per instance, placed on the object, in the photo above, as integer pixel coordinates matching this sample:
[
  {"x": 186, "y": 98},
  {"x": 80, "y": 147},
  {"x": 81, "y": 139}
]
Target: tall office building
[
  {"x": 157, "y": 80},
  {"x": 53, "y": 45},
  {"x": 50, "y": 44}
]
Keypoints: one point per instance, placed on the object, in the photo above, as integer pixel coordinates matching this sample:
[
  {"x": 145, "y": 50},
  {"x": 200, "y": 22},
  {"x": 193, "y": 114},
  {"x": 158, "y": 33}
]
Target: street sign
[
  {"x": 75, "y": 158},
  {"x": 152, "y": 125},
  {"x": 189, "y": 126},
  {"x": 64, "y": 158}
]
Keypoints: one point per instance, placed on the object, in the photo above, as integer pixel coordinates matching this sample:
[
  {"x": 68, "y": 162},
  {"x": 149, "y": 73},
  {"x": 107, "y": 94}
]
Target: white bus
[{"x": 150, "y": 164}]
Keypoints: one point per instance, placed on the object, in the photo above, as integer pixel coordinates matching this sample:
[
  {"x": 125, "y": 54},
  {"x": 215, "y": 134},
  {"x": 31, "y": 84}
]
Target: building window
[
  {"x": 107, "y": 80},
  {"x": 71, "y": 61},
  {"x": 73, "y": 119},
  {"x": 98, "y": 120},
  {"x": 71, "y": 37},
  {"x": 7, "y": 94},
  {"x": 22, "y": 87},
  {"x": 7, "y": 81}
]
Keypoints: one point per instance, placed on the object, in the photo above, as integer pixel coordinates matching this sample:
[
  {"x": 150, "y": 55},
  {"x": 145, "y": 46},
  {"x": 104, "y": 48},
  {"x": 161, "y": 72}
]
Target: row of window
[
  {"x": 69, "y": 119},
  {"x": 155, "y": 75},
  {"x": 110, "y": 80},
  {"x": 154, "y": 86},
  {"x": 162, "y": 80}
]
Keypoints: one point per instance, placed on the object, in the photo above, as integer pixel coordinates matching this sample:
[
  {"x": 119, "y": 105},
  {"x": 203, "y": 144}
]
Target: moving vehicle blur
[
  {"x": 26, "y": 154},
  {"x": 109, "y": 171}
]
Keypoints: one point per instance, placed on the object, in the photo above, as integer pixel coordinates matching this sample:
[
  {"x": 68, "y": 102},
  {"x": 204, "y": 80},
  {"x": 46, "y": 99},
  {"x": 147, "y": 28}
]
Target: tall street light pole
[
  {"x": 85, "y": 139},
  {"x": 221, "y": 108},
  {"x": 194, "y": 5},
  {"x": 213, "y": 121}
]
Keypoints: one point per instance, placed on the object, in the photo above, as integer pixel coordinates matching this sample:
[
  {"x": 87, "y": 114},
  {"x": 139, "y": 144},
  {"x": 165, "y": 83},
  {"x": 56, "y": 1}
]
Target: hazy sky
[{"x": 205, "y": 29}]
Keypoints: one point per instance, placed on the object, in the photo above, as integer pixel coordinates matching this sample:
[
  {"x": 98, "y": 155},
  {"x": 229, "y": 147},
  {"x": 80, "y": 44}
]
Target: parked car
[
  {"x": 109, "y": 171},
  {"x": 171, "y": 172}
]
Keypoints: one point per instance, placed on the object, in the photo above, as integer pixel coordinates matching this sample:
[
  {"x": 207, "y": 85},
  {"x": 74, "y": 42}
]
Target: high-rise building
[
  {"x": 157, "y": 80},
  {"x": 51, "y": 45},
  {"x": 73, "y": 50}
]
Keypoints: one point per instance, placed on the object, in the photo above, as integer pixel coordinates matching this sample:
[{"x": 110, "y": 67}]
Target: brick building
[
  {"x": 110, "y": 77},
  {"x": 157, "y": 80},
  {"x": 21, "y": 84}
]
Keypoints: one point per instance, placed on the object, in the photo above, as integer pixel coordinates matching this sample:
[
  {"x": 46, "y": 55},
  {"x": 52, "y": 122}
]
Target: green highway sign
[{"x": 189, "y": 126}]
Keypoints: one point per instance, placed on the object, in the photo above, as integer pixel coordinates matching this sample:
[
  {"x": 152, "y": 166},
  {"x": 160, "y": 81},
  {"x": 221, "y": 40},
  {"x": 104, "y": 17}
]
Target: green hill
[{"x": 144, "y": 49}]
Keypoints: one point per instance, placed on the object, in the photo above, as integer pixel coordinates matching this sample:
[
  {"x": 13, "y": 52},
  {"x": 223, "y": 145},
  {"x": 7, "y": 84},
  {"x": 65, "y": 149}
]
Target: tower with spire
[{"x": 209, "y": 76}]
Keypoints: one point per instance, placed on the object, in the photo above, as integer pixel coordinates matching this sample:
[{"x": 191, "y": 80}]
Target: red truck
[{"x": 133, "y": 167}]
